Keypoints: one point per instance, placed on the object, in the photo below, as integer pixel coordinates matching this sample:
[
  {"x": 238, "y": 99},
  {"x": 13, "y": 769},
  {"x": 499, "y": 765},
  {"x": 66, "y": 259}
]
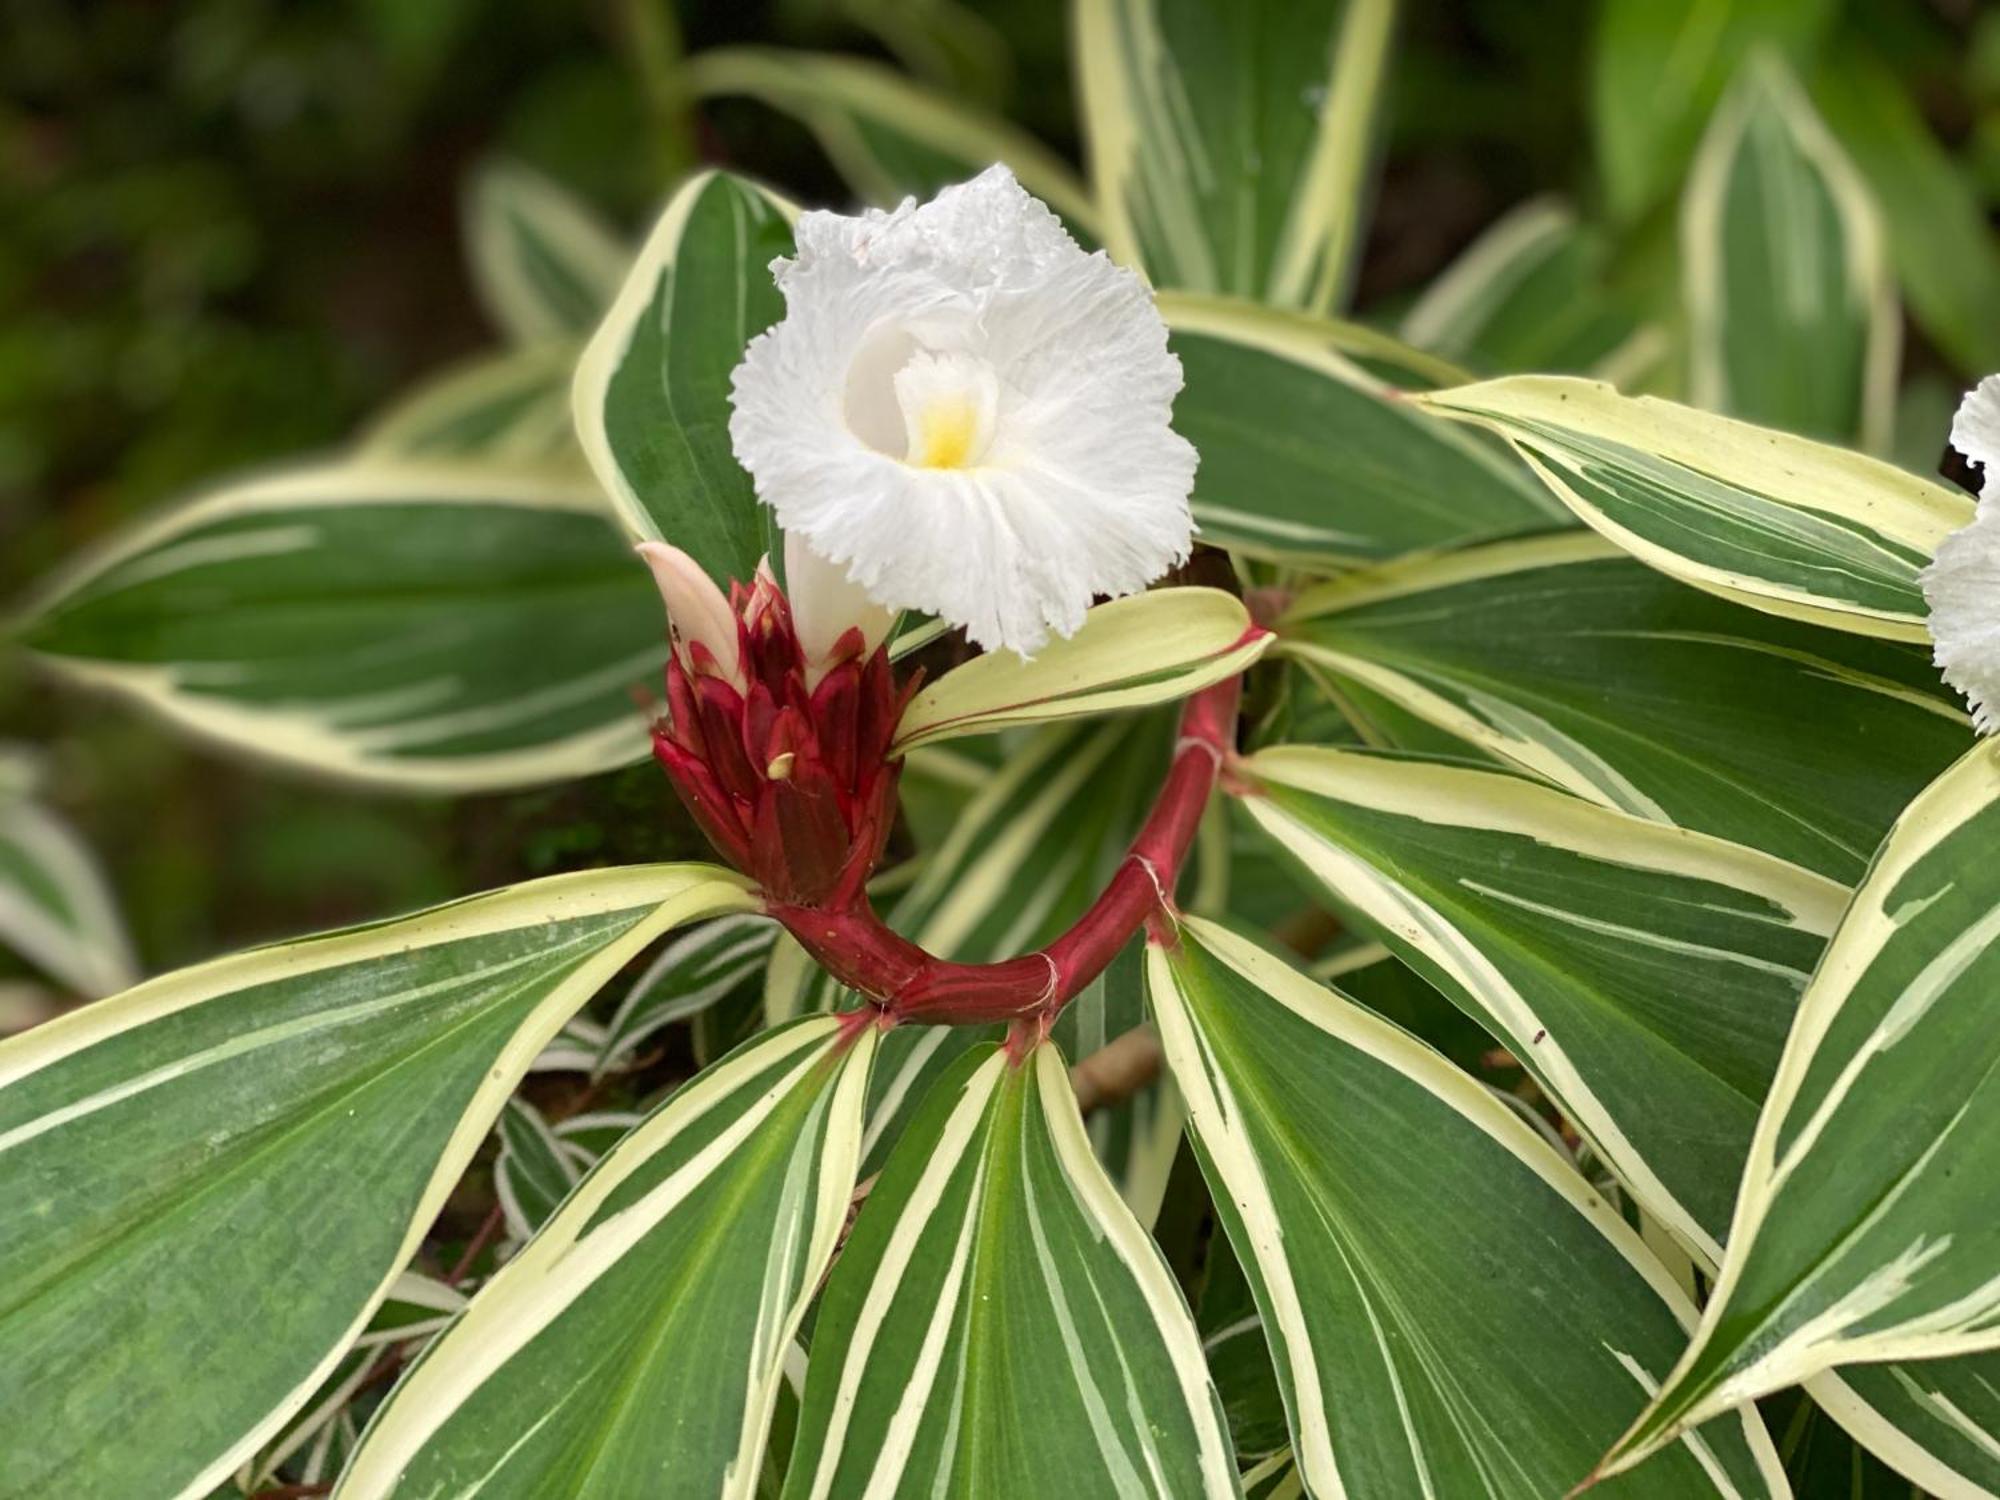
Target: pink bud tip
[{"x": 700, "y": 613}]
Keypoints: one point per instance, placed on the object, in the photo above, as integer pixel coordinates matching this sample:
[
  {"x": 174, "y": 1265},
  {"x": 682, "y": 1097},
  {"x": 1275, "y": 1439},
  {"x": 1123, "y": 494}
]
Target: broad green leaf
[
  {"x": 999, "y": 1324},
  {"x": 1785, "y": 271},
  {"x": 1230, "y": 145},
  {"x": 1865, "y": 1227},
  {"x": 1564, "y": 657},
  {"x": 1529, "y": 294},
  {"x": 1645, "y": 975},
  {"x": 888, "y": 135},
  {"x": 56, "y": 910},
  {"x": 1763, "y": 518},
  {"x": 1130, "y": 653},
  {"x": 1451, "y": 1309},
  {"x": 1307, "y": 459},
  {"x": 1940, "y": 234},
  {"x": 1935, "y": 1421},
  {"x": 652, "y": 391},
  {"x": 286, "y": 1122},
  {"x": 420, "y": 628},
  {"x": 1657, "y": 70},
  {"x": 636, "y": 1346},
  {"x": 689, "y": 975},
  {"x": 510, "y": 408},
  {"x": 545, "y": 265}
]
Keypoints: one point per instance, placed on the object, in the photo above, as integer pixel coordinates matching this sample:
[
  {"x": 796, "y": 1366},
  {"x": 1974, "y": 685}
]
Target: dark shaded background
[{"x": 229, "y": 231}]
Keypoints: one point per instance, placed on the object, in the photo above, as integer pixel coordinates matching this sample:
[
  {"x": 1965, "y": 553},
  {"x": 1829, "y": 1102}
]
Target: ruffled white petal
[
  {"x": 1975, "y": 432},
  {"x": 969, "y": 413}
]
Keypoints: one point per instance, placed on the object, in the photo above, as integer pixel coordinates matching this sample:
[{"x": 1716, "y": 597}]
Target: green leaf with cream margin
[
  {"x": 888, "y": 135},
  {"x": 1176, "y": 97},
  {"x": 651, "y": 394},
  {"x": 1777, "y": 522},
  {"x": 508, "y": 409},
  {"x": 637, "y": 1344},
  {"x": 56, "y": 911},
  {"x": 544, "y": 264},
  {"x": 999, "y": 1324},
  {"x": 1563, "y": 656},
  {"x": 421, "y": 628},
  {"x": 1865, "y": 1228},
  {"x": 1452, "y": 1310},
  {"x": 1307, "y": 459},
  {"x": 1645, "y": 976},
  {"x": 290, "y": 1120},
  {"x": 1935, "y": 1421},
  {"x": 1792, "y": 310},
  {"x": 1130, "y": 653}
]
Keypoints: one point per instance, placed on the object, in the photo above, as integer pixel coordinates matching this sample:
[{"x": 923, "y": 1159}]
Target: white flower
[
  {"x": 1962, "y": 584},
  {"x": 968, "y": 413}
]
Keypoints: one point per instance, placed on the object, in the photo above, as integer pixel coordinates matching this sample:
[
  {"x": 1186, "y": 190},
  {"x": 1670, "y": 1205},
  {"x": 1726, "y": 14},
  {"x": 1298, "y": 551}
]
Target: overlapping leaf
[
  {"x": 636, "y": 1346},
  {"x": 507, "y": 409},
  {"x": 428, "y": 628},
  {"x": 890, "y": 136},
  {"x": 1767, "y": 519},
  {"x": 1130, "y": 653},
  {"x": 288, "y": 1120},
  {"x": 1562, "y": 657},
  {"x": 1792, "y": 309},
  {"x": 652, "y": 391},
  {"x": 1306, "y": 458},
  {"x": 999, "y": 1324},
  {"x": 1176, "y": 97},
  {"x": 1645, "y": 975},
  {"x": 1452, "y": 1310},
  {"x": 1865, "y": 1226},
  {"x": 1935, "y": 1421}
]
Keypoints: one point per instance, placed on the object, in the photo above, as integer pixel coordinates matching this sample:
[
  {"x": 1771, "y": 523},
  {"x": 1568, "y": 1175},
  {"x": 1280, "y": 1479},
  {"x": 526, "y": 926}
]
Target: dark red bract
[{"x": 792, "y": 784}]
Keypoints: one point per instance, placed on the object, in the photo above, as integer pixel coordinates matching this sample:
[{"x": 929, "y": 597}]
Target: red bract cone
[{"x": 792, "y": 784}]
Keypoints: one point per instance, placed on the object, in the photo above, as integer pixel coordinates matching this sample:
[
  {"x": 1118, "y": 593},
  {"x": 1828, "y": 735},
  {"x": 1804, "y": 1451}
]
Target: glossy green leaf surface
[
  {"x": 999, "y": 1324},
  {"x": 1565, "y": 658},
  {"x": 1865, "y": 1228},
  {"x": 1785, "y": 271},
  {"x": 289, "y": 1120},
  {"x": 1764, "y": 518},
  {"x": 1645, "y": 975},
  {"x": 652, "y": 391},
  {"x": 1307, "y": 459},
  {"x": 1174, "y": 94},
  {"x": 637, "y": 1344},
  {"x": 1451, "y": 1309},
  {"x": 416, "y": 627}
]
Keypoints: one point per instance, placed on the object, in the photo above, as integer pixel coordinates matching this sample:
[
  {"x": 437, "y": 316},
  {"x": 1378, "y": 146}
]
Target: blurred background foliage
[{"x": 230, "y": 230}]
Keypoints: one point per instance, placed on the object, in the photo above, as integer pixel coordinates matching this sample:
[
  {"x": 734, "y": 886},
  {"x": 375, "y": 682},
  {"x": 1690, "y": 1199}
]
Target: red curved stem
[{"x": 858, "y": 949}]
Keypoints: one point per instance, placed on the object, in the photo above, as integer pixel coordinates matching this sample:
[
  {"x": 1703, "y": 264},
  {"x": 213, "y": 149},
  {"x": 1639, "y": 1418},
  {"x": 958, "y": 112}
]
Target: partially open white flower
[
  {"x": 1962, "y": 584},
  {"x": 968, "y": 413}
]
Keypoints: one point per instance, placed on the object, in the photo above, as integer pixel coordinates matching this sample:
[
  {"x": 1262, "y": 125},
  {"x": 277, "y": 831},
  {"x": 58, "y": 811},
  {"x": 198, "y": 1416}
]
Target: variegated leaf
[
  {"x": 890, "y": 136},
  {"x": 286, "y": 1122},
  {"x": 1763, "y": 518},
  {"x": 544, "y": 263},
  {"x": 1865, "y": 1229},
  {"x": 505, "y": 409},
  {"x": 1792, "y": 309},
  {"x": 999, "y": 1324},
  {"x": 1149, "y": 648},
  {"x": 1646, "y": 976},
  {"x": 689, "y": 974},
  {"x": 1934, "y": 1421},
  {"x": 637, "y": 1345},
  {"x": 1561, "y": 656},
  {"x": 1230, "y": 144},
  {"x": 414, "y": 627},
  {"x": 56, "y": 910},
  {"x": 651, "y": 395},
  {"x": 1452, "y": 1310},
  {"x": 1309, "y": 460}
]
